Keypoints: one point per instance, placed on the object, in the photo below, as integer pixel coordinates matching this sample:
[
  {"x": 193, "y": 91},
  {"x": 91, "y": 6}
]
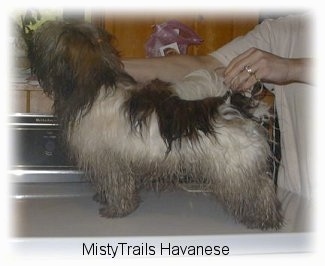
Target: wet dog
[{"x": 127, "y": 135}]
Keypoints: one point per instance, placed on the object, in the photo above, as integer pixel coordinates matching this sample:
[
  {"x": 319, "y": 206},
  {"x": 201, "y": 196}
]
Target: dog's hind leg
[{"x": 252, "y": 202}]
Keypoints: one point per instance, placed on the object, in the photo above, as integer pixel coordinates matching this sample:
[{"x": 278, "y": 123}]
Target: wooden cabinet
[{"x": 132, "y": 30}]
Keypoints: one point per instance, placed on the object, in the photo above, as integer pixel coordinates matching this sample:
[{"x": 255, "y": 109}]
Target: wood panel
[
  {"x": 131, "y": 34},
  {"x": 133, "y": 30}
]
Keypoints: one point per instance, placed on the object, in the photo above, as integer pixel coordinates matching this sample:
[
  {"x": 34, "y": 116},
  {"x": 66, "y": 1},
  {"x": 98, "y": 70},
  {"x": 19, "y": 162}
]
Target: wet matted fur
[{"x": 126, "y": 135}]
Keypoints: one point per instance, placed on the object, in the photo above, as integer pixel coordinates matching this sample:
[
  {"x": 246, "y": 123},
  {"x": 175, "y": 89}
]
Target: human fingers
[
  {"x": 234, "y": 65},
  {"x": 245, "y": 79},
  {"x": 241, "y": 68},
  {"x": 249, "y": 82},
  {"x": 253, "y": 66}
]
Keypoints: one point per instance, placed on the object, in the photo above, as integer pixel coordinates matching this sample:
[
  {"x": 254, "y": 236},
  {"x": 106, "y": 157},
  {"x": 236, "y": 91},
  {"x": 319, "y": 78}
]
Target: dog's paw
[
  {"x": 271, "y": 220},
  {"x": 107, "y": 212},
  {"x": 100, "y": 198},
  {"x": 121, "y": 210}
]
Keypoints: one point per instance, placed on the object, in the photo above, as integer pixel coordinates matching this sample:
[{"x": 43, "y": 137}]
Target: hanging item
[{"x": 171, "y": 37}]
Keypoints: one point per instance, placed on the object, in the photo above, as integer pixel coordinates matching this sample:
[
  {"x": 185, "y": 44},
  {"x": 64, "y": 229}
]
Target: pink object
[{"x": 171, "y": 36}]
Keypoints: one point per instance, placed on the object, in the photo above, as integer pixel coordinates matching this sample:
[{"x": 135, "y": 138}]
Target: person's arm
[
  {"x": 300, "y": 70},
  {"x": 265, "y": 67},
  {"x": 170, "y": 68}
]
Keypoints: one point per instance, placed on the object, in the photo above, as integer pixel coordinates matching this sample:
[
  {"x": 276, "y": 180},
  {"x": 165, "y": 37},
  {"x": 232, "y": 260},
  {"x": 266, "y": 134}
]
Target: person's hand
[{"x": 256, "y": 65}]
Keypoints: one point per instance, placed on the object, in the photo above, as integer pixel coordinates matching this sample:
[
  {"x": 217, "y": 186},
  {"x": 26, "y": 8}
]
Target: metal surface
[{"x": 37, "y": 154}]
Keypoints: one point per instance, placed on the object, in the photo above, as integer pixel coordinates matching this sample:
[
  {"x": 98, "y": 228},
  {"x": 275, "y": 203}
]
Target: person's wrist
[{"x": 299, "y": 70}]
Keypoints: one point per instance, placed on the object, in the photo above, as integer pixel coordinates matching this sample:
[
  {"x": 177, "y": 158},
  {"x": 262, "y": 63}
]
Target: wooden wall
[{"x": 133, "y": 30}]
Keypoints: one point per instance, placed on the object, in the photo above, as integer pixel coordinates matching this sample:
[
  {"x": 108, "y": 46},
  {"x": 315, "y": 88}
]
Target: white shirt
[{"x": 288, "y": 37}]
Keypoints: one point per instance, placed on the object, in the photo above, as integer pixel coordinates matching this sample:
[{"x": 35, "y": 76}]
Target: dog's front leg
[{"x": 119, "y": 196}]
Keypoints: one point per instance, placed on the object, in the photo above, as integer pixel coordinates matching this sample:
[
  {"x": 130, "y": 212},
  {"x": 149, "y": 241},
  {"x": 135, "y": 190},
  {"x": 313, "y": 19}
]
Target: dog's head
[{"x": 73, "y": 62}]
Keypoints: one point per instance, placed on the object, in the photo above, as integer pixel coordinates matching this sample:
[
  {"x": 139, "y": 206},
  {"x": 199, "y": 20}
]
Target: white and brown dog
[{"x": 127, "y": 135}]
